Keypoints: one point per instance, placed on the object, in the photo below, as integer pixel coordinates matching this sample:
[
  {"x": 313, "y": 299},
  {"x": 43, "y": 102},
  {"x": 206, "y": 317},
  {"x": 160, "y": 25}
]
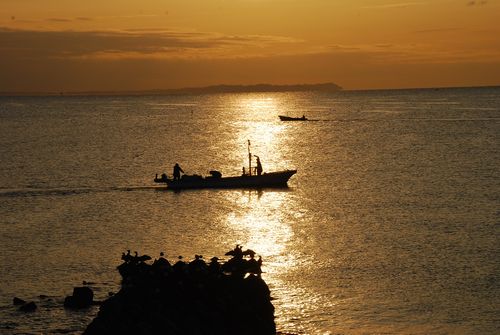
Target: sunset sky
[{"x": 107, "y": 45}]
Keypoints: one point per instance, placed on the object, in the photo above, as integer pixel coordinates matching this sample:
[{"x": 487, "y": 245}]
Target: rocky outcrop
[
  {"x": 28, "y": 307},
  {"x": 188, "y": 298},
  {"x": 18, "y": 301},
  {"x": 82, "y": 297}
]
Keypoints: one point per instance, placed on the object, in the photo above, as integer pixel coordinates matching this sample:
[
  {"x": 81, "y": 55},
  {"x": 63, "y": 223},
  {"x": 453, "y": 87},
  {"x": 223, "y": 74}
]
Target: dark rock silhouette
[
  {"x": 18, "y": 301},
  {"x": 29, "y": 307},
  {"x": 188, "y": 298},
  {"x": 82, "y": 297}
]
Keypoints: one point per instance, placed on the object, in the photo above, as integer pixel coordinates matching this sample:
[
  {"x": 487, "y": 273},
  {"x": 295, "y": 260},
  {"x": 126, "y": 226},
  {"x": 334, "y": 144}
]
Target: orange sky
[{"x": 69, "y": 45}]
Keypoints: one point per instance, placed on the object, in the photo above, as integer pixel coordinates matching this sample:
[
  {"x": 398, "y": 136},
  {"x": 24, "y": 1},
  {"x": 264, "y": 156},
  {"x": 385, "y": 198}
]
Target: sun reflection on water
[
  {"x": 259, "y": 227},
  {"x": 258, "y": 122},
  {"x": 258, "y": 106},
  {"x": 264, "y": 222},
  {"x": 262, "y": 219}
]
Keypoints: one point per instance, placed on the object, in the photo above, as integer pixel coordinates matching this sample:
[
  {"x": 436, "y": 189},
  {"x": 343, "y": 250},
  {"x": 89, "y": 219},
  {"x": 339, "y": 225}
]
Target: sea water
[{"x": 390, "y": 226}]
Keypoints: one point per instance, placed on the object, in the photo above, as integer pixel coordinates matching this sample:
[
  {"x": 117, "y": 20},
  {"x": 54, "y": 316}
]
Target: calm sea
[{"x": 390, "y": 226}]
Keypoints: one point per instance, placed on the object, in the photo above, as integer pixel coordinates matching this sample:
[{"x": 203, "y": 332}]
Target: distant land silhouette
[{"x": 323, "y": 87}]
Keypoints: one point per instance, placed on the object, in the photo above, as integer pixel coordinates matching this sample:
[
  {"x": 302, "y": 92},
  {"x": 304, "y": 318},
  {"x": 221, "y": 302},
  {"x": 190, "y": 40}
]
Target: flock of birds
[{"x": 237, "y": 265}]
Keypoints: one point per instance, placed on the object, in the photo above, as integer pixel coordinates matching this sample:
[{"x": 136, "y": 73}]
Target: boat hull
[
  {"x": 289, "y": 118},
  {"x": 271, "y": 179}
]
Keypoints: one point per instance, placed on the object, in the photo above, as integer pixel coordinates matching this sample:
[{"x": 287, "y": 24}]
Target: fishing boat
[
  {"x": 251, "y": 178},
  {"x": 289, "y": 118},
  {"x": 270, "y": 179}
]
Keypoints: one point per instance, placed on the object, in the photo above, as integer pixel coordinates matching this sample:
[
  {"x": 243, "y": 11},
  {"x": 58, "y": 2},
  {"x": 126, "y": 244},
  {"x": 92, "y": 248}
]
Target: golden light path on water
[
  {"x": 259, "y": 216},
  {"x": 257, "y": 123},
  {"x": 264, "y": 220},
  {"x": 265, "y": 230}
]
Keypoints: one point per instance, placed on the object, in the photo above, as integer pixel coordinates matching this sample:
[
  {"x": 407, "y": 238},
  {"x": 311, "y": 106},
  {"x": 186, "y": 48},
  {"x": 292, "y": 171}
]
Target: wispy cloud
[
  {"x": 477, "y": 3},
  {"x": 394, "y": 5},
  {"x": 132, "y": 43},
  {"x": 161, "y": 44},
  {"x": 437, "y": 30},
  {"x": 413, "y": 53},
  {"x": 81, "y": 19},
  {"x": 56, "y": 19}
]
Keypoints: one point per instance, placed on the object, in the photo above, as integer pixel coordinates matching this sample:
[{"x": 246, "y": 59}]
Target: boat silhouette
[
  {"x": 269, "y": 179},
  {"x": 289, "y": 118},
  {"x": 251, "y": 178}
]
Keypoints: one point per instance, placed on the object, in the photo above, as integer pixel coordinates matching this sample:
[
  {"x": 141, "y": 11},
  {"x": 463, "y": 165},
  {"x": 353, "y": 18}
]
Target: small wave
[
  {"x": 453, "y": 119},
  {"x": 13, "y": 193},
  {"x": 173, "y": 104},
  {"x": 474, "y": 109}
]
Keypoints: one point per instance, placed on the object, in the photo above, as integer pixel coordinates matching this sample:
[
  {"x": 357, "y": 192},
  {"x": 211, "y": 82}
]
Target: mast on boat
[{"x": 249, "y": 160}]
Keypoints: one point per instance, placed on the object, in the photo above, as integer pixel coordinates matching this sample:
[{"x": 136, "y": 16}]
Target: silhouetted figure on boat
[
  {"x": 259, "y": 166},
  {"x": 177, "y": 171}
]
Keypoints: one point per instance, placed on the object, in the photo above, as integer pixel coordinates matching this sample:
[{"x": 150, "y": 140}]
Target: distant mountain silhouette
[{"x": 324, "y": 87}]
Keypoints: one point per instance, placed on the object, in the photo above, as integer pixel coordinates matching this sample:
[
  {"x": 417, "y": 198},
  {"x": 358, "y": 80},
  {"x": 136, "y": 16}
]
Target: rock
[
  {"x": 192, "y": 300},
  {"x": 18, "y": 301},
  {"x": 82, "y": 298},
  {"x": 29, "y": 307}
]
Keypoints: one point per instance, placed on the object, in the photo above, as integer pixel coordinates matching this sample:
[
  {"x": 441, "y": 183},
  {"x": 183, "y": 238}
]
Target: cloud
[
  {"x": 394, "y": 5},
  {"x": 56, "y": 19},
  {"x": 432, "y": 31},
  {"x": 414, "y": 53},
  {"x": 31, "y": 44},
  {"x": 140, "y": 53},
  {"x": 477, "y": 3},
  {"x": 351, "y": 66}
]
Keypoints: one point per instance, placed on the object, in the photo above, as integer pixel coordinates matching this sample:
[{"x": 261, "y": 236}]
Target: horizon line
[{"x": 212, "y": 89}]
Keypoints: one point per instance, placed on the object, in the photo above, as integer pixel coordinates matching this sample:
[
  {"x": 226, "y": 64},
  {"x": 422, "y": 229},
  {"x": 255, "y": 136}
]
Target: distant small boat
[{"x": 289, "y": 118}]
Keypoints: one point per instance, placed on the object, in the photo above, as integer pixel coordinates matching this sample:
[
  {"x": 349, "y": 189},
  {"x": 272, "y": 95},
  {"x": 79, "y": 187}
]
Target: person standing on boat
[
  {"x": 177, "y": 171},
  {"x": 259, "y": 166}
]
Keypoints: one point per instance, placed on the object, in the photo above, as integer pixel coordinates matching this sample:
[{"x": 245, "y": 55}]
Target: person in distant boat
[
  {"x": 177, "y": 171},
  {"x": 259, "y": 166}
]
